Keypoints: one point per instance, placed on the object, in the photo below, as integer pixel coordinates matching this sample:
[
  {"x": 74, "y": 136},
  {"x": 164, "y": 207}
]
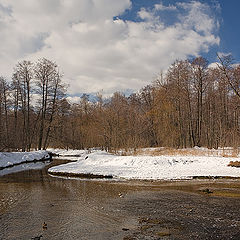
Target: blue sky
[
  {"x": 229, "y": 30},
  {"x": 225, "y": 11},
  {"x": 103, "y": 46}
]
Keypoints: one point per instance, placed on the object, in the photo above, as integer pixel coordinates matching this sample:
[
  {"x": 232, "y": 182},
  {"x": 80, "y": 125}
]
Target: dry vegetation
[
  {"x": 191, "y": 105},
  {"x": 228, "y": 152},
  {"x": 234, "y": 164}
]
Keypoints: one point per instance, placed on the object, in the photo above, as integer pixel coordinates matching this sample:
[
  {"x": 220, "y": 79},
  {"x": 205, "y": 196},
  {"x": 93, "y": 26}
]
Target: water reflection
[
  {"x": 72, "y": 209},
  {"x": 24, "y": 167}
]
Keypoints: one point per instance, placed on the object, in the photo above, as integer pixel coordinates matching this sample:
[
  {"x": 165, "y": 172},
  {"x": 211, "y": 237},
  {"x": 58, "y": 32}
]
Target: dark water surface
[{"x": 72, "y": 208}]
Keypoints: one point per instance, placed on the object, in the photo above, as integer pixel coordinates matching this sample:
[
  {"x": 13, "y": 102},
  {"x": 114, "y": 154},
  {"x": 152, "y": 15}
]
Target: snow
[
  {"x": 149, "y": 167},
  {"x": 8, "y": 159},
  {"x": 64, "y": 152},
  {"x": 70, "y": 154},
  {"x": 24, "y": 167}
]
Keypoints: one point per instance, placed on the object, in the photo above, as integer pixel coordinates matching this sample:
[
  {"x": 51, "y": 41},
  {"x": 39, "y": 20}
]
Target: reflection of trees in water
[{"x": 21, "y": 169}]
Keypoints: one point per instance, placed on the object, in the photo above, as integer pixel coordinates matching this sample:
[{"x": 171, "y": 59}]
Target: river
[
  {"x": 97, "y": 209},
  {"x": 71, "y": 208}
]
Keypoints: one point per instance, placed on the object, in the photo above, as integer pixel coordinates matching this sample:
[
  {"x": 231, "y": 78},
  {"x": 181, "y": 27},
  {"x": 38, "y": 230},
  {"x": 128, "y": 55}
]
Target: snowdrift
[
  {"x": 147, "y": 167},
  {"x": 9, "y": 159}
]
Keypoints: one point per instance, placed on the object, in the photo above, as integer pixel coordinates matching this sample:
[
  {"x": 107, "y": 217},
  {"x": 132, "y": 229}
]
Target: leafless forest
[{"x": 190, "y": 105}]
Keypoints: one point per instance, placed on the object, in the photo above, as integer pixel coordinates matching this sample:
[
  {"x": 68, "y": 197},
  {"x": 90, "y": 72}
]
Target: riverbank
[
  {"x": 149, "y": 167},
  {"x": 10, "y": 159},
  {"x": 181, "y": 210},
  {"x": 136, "y": 209}
]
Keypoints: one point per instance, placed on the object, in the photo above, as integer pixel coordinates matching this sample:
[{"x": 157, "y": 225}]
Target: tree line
[
  {"x": 190, "y": 105},
  {"x": 28, "y": 104}
]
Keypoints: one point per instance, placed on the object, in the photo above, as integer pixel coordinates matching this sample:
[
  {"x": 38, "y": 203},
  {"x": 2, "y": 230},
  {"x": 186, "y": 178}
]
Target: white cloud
[
  {"x": 161, "y": 7},
  {"x": 145, "y": 15},
  {"x": 96, "y": 52},
  {"x": 198, "y": 17}
]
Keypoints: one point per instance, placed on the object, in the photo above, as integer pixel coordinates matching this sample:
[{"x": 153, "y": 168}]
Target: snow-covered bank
[
  {"x": 70, "y": 154},
  {"x": 23, "y": 167},
  {"x": 149, "y": 167},
  {"x": 8, "y": 159}
]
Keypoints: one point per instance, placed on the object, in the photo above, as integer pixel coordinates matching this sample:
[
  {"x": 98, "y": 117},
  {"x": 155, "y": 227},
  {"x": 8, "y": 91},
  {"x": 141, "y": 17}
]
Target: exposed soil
[
  {"x": 81, "y": 175},
  {"x": 182, "y": 210}
]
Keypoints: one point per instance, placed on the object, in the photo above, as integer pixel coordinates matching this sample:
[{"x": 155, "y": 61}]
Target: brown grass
[
  {"x": 234, "y": 164},
  {"x": 230, "y": 153},
  {"x": 227, "y": 194},
  {"x": 233, "y": 153}
]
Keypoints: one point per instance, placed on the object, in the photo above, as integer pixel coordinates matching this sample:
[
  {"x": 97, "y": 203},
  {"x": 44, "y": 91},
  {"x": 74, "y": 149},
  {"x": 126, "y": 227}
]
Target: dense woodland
[{"x": 190, "y": 105}]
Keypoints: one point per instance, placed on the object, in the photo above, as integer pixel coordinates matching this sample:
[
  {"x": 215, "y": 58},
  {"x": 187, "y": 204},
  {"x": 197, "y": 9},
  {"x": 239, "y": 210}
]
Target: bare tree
[
  {"x": 199, "y": 66},
  {"x": 4, "y": 109},
  {"x": 50, "y": 89},
  {"x": 22, "y": 80}
]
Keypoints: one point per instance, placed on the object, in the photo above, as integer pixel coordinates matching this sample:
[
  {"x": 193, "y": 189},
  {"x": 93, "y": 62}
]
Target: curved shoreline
[
  {"x": 80, "y": 175},
  {"x": 99, "y": 176},
  {"x": 100, "y": 164},
  {"x": 12, "y": 159},
  {"x": 31, "y": 161}
]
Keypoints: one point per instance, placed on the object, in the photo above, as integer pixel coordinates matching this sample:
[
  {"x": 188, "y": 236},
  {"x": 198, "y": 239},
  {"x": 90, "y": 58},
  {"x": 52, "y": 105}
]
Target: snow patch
[
  {"x": 149, "y": 167},
  {"x": 8, "y": 159}
]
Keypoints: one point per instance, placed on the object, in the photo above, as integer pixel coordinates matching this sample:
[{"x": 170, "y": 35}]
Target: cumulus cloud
[
  {"x": 161, "y": 7},
  {"x": 98, "y": 50}
]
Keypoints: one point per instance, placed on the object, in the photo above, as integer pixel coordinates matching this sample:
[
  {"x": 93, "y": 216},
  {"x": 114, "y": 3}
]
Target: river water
[
  {"x": 71, "y": 208},
  {"x": 96, "y": 209}
]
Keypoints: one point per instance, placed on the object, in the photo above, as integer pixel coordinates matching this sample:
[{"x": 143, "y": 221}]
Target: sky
[{"x": 103, "y": 46}]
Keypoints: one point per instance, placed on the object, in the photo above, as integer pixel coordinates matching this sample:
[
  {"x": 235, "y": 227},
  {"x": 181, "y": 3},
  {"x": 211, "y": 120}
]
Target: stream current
[{"x": 71, "y": 208}]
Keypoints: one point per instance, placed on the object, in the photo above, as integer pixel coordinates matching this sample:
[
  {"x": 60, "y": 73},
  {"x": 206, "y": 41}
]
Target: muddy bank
[
  {"x": 182, "y": 210},
  {"x": 81, "y": 175}
]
